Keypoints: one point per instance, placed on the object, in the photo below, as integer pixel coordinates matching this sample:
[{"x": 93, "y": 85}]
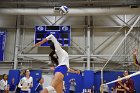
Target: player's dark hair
[
  {"x": 4, "y": 75},
  {"x": 51, "y": 45},
  {"x": 39, "y": 79},
  {"x": 127, "y": 71},
  {"x": 54, "y": 58},
  {"x": 26, "y": 71}
]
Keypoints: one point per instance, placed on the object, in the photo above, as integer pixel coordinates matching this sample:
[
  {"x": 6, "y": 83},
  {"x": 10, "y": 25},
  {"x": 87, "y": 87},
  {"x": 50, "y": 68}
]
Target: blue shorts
[{"x": 62, "y": 69}]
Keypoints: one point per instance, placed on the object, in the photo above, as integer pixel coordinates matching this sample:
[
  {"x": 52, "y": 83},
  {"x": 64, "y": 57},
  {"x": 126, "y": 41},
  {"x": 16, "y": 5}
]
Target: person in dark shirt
[
  {"x": 118, "y": 87},
  {"x": 39, "y": 86},
  {"x": 12, "y": 86},
  {"x": 128, "y": 84},
  {"x": 17, "y": 89}
]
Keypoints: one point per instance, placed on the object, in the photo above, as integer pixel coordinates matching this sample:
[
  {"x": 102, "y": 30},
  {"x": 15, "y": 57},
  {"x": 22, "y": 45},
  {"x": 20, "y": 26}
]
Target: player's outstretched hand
[
  {"x": 78, "y": 72},
  {"x": 135, "y": 51}
]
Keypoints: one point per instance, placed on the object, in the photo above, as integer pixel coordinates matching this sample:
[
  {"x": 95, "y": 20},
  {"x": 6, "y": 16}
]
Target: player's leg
[
  {"x": 57, "y": 82},
  {"x": 58, "y": 79},
  {"x": 59, "y": 88}
]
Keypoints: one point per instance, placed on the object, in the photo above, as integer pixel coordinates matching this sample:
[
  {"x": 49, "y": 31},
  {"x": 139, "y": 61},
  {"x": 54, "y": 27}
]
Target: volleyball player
[{"x": 60, "y": 58}]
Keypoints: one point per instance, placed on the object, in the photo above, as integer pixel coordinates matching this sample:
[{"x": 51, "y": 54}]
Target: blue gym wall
[
  {"x": 88, "y": 79},
  {"x": 14, "y": 74},
  {"x": 78, "y": 80},
  {"x": 85, "y": 80},
  {"x": 137, "y": 83},
  {"x": 2, "y": 44}
]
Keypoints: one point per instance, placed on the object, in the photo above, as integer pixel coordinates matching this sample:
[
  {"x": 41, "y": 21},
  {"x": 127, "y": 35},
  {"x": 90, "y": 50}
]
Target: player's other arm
[
  {"x": 41, "y": 42},
  {"x": 50, "y": 37},
  {"x": 74, "y": 70}
]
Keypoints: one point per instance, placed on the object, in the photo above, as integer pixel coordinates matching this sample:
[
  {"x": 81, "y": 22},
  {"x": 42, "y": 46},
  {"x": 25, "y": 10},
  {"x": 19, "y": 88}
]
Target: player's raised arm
[
  {"x": 54, "y": 40},
  {"x": 41, "y": 42}
]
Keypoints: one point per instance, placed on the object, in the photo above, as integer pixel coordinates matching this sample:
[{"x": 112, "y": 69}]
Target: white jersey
[
  {"x": 3, "y": 84},
  {"x": 105, "y": 88},
  {"x": 72, "y": 86},
  {"x": 25, "y": 84},
  {"x": 63, "y": 58}
]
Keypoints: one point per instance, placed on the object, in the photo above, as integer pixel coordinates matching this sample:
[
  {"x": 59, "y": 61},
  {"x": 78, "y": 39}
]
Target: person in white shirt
[
  {"x": 104, "y": 88},
  {"x": 72, "y": 85},
  {"x": 60, "y": 58},
  {"x": 26, "y": 83},
  {"x": 3, "y": 84}
]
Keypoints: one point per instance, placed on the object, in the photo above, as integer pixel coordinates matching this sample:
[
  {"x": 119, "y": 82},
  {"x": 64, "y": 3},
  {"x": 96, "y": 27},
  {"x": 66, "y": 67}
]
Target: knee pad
[{"x": 51, "y": 89}]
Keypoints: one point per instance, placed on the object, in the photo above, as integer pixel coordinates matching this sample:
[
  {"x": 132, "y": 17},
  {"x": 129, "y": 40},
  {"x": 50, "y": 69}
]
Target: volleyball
[{"x": 63, "y": 10}]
